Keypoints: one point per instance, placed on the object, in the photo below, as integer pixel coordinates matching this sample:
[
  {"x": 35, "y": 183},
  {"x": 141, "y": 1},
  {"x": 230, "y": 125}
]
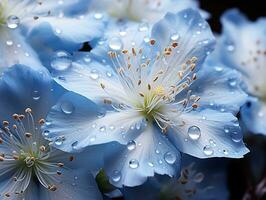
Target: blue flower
[
  {"x": 154, "y": 97},
  {"x": 29, "y": 167},
  {"x": 199, "y": 179},
  {"x": 142, "y": 10},
  {"x": 47, "y": 25},
  {"x": 243, "y": 47}
]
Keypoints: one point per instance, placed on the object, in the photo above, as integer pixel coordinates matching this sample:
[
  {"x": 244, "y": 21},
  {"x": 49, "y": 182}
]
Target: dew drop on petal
[
  {"x": 36, "y": 95},
  {"x": 74, "y": 145},
  {"x": 174, "y": 37},
  {"x": 61, "y": 61},
  {"x": 13, "y": 22},
  {"x": 59, "y": 141},
  {"x": 116, "y": 176},
  {"x": 9, "y": 42},
  {"x": 198, "y": 177},
  {"x": 208, "y": 151},
  {"x": 133, "y": 164},
  {"x": 170, "y": 157},
  {"x": 194, "y": 132},
  {"x": 67, "y": 107},
  {"x": 98, "y": 16},
  {"x": 115, "y": 43},
  {"x": 94, "y": 74},
  {"x": 143, "y": 27},
  {"x": 131, "y": 145}
]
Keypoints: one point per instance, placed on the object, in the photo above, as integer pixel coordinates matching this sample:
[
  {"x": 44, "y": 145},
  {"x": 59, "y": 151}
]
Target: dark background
[{"x": 252, "y": 8}]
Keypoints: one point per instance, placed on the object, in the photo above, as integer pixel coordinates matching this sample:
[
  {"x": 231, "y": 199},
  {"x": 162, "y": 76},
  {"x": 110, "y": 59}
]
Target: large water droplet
[
  {"x": 208, "y": 151},
  {"x": 98, "y": 16},
  {"x": 133, "y": 164},
  {"x": 9, "y": 42},
  {"x": 131, "y": 145},
  {"x": 67, "y": 107},
  {"x": 174, "y": 37},
  {"x": 94, "y": 74},
  {"x": 170, "y": 157},
  {"x": 59, "y": 141},
  {"x": 102, "y": 128},
  {"x": 13, "y": 22},
  {"x": 194, "y": 132},
  {"x": 61, "y": 61},
  {"x": 116, "y": 176},
  {"x": 115, "y": 44}
]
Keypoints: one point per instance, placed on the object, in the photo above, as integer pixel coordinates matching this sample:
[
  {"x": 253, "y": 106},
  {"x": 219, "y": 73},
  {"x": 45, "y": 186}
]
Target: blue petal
[
  {"x": 253, "y": 114},
  {"x": 15, "y": 50},
  {"x": 81, "y": 123},
  {"x": 213, "y": 134},
  {"x": 223, "y": 93},
  {"x": 22, "y": 87},
  {"x": 149, "y": 153},
  {"x": 74, "y": 184},
  {"x": 192, "y": 34}
]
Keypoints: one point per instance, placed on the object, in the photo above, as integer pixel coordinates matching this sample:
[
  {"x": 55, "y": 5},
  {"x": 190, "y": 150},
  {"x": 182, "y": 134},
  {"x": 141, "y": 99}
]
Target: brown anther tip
[
  {"x": 41, "y": 121},
  {"x": 59, "y": 173},
  {"x": 28, "y": 135},
  {"x": 52, "y": 187},
  {"x": 71, "y": 158},
  {"x": 174, "y": 44},
  {"x": 134, "y": 51},
  {"x": 5, "y": 123},
  {"x": 2, "y": 158},
  {"x": 149, "y": 87},
  {"x": 35, "y": 17},
  {"x": 7, "y": 194},
  {"x": 42, "y": 148},
  {"x": 28, "y": 110},
  {"x": 139, "y": 82},
  {"x": 60, "y": 164},
  {"x": 102, "y": 85},
  {"x": 194, "y": 59},
  {"x": 15, "y": 178},
  {"x": 1, "y": 141},
  {"x": 107, "y": 101},
  {"x": 124, "y": 51},
  {"x": 152, "y": 42},
  {"x": 15, "y": 116},
  {"x": 21, "y": 117},
  {"x": 14, "y": 126},
  {"x": 141, "y": 94},
  {"x": 164, "y": 130},
  {"x": 194, "y": 105}
]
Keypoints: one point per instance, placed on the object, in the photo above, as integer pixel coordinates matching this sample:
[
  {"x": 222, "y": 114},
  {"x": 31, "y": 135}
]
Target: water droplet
[
  {"x": 131, "y": 145},
  {"x": 112, "y": 127},
  {"x": 198, "y": 177},
  {"x": 98, "y": 16},
  {"x": 102, "y": 128},
  {"x": 225, "y": 152},
  {"x": 46, "y": 133},
  {"x": 109, "y": 74},
  {"x": 170, "y": 157},
  {"x": 67, "y": 107},
  {"x": 94, "y": 74},
  {"x": 61, "y": 61},
  {"x": 143, "y": 27},
  {"x": 13, "y": 22},
  {"x": 36, "y": 95},
  {"x": 218, "y": 69},
  {"x": 133, "y": 164},
  {"x": 175, "y": 37},
  {"x": 59, "y": 141},
  {"x": 74, "y": 145},
  {"x": 116, "y": 176},
  {"x": 58, "y": 31},
  {"x": 212, "y": 142},
  {"x": 194, "y": 132},
  {"x": 208, "y": 151},
  {"x": 9, "y": 42},
  {"x": 115, "y": 44},
  {"x": 157, "y": 151},
  {"x": 230, "y": 48},
  {"x": 150, "y": 164}
]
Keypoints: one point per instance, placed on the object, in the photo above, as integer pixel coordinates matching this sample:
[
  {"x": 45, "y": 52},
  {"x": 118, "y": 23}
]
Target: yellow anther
[{"x": 159, "y": 90}]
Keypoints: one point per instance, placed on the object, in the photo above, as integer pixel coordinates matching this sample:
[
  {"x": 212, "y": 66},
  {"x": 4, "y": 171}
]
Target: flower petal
[
  {"x": 149, "y": 153},
  {"x": 223, "y": 93},
  {"x": 253, "y": 114},
  {"x": 78, "y": 122},
  {"x": 208, "y": 133},
  {"x": 15, "y": 50},
  {"x": 73, "y": 184}
]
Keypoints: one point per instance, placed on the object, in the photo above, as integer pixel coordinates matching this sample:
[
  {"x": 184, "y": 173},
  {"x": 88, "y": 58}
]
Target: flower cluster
[{"x": 104, "y": 99}]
